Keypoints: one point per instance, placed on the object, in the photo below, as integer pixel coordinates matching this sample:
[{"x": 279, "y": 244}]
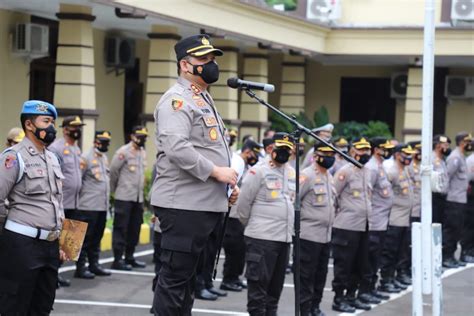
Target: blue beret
[{"x": 39, "y": 108}]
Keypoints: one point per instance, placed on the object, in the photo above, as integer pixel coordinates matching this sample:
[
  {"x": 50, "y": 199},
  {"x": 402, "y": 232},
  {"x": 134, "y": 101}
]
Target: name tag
[{"x": 210, "y": 121}]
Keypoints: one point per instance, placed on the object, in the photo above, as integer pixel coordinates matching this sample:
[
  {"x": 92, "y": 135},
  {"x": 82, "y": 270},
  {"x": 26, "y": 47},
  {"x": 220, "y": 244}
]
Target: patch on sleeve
[
  {"x": 10, "y": 161},
  {"x": 177, "y": 104},
  {"x": 82, "y": 164},
  {"x": 303, "y": 178},
  {"x": 341, "y": 177},
  {"x": 210, "y": 121},
  {"x": 121, "y": 156},
  {"x": 252, "y": 171}
]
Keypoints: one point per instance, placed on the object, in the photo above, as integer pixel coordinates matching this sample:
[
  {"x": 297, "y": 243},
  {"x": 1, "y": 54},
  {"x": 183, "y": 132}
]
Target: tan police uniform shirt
[
  {"x": 70, "y": 156},
  {"x": 190, "y": 141},
  {"x": 403, "y": 198},
  {"x": 95, "y": 189},
  {"x": 265, "y": 204},
  {"x": 36, "y": 200},
  {"x": 458, "y": 177},
  {"x": 439, "y": 165},
  {"x": 338, "y": 164},
  {"x": 127, "y": 173},
  {"x": 382, "y": 196},
  {"x": 415, "y": 174},
  {"x": 318, "y": 195}
]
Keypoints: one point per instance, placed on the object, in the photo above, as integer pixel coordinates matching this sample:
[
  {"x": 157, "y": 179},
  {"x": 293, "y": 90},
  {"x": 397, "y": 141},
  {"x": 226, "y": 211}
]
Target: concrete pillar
[
  {"x": 162, "y": 74},
  {"x": 254, "y": 116},
  {"x": 74, "y": 90},
  {"x": 292, "y": 95},
  {"x": 413, "y": 106},
  {"x": 225, "y": 98}
]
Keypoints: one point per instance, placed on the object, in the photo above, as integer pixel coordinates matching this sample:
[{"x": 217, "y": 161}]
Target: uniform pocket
[
  {"x": 254, "y": 266},
  {"x": 273, "y": 187},
  {"x": 35, "y": 181},
  {"x": 320, "y": 195}
]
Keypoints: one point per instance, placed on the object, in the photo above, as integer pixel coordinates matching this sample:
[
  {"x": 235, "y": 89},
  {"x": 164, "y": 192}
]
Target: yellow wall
[
  {"x": 109, "y": 95},
  {"x": 385, "y": 12},
  {"x": 14, "y": 78},
  {"x": 460, "y": 113}
]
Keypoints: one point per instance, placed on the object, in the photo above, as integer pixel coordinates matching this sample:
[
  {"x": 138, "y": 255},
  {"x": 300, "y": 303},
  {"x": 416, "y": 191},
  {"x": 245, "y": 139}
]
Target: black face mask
[
  {"x": 103, "y": 146},
  {"x": 301, "y": 152},
  {"x": 468, "y": 147},
  {"x": 326, "y": 161},
  {"x": 252, "y": 161},
  {"x": 387, "y": 154},
  {"x": 75, "y": 134},
  {"x": 208, "y": 72},
  {"x": 231, "y": 141},
  {"x": 281, "y": 155},
  {"x": 405, "y": 160},
  {"x": 46, "y": 135},
  {"x": 140, "y": 141},
  {"x": 446, "y": 151},
  {"x": 363, "y": 159},
  {"x": 418, "y": 157}
]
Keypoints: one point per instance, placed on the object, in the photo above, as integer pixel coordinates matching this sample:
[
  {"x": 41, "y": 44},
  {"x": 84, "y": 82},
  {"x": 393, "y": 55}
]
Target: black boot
[
  {"x": 135, "y": 263},
  {"x": 81, "y": 271},
  {"x": 204, "y": 294},
  {"x": 380, "y": 295},
  {"x": 388, "y": 287},
  {"x": 358, "y": 304},
  {"x": 63, "y": 282},
  {"x": 404, "y": 279},
  {"x": 340, "y": 305},
  {"x": 98, "y": 270},
  {"x": 467, "y": 257},
  {"x": 231, "y": 286},
  {"x": 369, "y": 298},
  {"x": 217, "y": 292},
  {"x": 450, "y": 263}
]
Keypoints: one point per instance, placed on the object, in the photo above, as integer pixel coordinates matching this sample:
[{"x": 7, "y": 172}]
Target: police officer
[
  {"x": 399, "y": 221},
  {"x": 265, "y": 207},
  {"x": 467, "y": 241},
  {"x": 382, "y": 200},
  {"x": 325, "y": 132},
  {"x": 190, "y": 193},
  {"x": 14, "y": 136},
  {"x": 317, "y": 216},
  {"x": 31, "y": 179},
  {"x": 93, "y": 205},
  {"x": 441, "y": 150},
  {"x": 69, "y": 153},
  {"x": 350, "y": 231},
  {"x": 456, "y": 199},
  {"x": 127, "y": 180},
  {"x": 342, "y": 144},
  {"x": 234, "y": 243}
]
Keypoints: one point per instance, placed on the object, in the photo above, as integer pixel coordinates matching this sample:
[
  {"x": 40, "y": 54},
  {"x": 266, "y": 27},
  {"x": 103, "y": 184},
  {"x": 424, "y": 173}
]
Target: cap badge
[
  {"x": 205, "y": 41},
  {"x": 41, "y": 107}
]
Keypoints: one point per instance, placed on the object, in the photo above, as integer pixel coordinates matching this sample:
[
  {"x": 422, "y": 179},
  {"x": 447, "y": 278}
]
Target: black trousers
[
  {"x": 393, "y": 249},
  {"x": 467, "y": 238},
  {"x": 205, "y": 268},
  {"x": 266, "y": 264},
  {"x": 28, "y": 274},
  {"x": 234, "y": 248},
  {"x": 95, "y": 230},
  {"x": 404, "y": 262},
  {"x": 126, "y": 231},
  {"x": 313, "y": 272},
  {"x": 376, "y": 241},
  {"x": 156, "y": 256},
  {"x": 351, "y": 261},
  {"x": 437, "y": 207},
  {"x": 452, "y": 227},
  {"x": 183, "y": 238}
]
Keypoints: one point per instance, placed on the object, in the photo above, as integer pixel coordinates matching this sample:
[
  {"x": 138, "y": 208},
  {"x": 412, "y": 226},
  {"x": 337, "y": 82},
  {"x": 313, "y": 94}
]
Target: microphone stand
[{"x": 299, "y": 129}]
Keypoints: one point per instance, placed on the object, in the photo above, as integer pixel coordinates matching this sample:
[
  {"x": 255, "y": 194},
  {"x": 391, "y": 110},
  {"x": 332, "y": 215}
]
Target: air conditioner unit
[
  {"x": 31, "y": 40},
  {"x": 323, "y": 10},
  {"x": 119, "y": 52},
  {"x": 398, "y": 85},
  {"x": 462, "y": 10},
  {"x": 459, "y": 87}
]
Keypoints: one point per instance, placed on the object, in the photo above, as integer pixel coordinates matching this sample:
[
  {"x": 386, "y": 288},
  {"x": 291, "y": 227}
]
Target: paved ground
[{"x": 129, "y": 293}]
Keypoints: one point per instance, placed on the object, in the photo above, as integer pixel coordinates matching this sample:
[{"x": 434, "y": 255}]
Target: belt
[{"x": 38, "y": 233}]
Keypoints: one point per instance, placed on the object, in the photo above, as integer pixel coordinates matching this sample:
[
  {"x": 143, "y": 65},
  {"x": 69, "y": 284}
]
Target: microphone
[{"x": 237, "y": 83}]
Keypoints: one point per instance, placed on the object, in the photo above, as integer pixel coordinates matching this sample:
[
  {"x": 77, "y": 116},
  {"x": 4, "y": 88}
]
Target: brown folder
[{"x": 72, "y": 237}]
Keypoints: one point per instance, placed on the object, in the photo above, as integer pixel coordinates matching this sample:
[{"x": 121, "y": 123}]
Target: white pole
[
  {"x": 416, "y": 268},
  {"x": 427, "y": 140},
  {"x": 437, "y": 271}
]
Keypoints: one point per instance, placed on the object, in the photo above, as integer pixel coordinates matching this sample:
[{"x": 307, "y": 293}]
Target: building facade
[{"x": 110, "y": 61}]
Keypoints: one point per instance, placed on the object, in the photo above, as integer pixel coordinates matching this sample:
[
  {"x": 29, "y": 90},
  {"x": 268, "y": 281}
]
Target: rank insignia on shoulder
[
  {"x": 251, "y": 171},
  {"x": 195, "y": 89},
  {"x": 10, "y": 161},
  {"x": 176, "y": 104},
  {"x": 213, "y": 134}
]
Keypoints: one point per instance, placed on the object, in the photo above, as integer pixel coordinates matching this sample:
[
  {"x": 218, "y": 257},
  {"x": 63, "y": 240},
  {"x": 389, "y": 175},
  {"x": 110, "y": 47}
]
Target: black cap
[
  {"x": 320, "y": 146},
  {"x": 72, "y": 121},
  {"x": 253, "y": 146},
  {"x": 416, "y": 144},
  {"x": 282, "y": 139},
  {"x": 140, "y": 130},
  {"x": 441, "y": 139},
  {"x": 361, "y": 143},
  {"x": 404, "y": 148},
  {"x": 341, "y": 141},
  {"x": 103, "y": 135},
  {"x": 463, "y": 136},
  {"x": 196, "y": 45}
]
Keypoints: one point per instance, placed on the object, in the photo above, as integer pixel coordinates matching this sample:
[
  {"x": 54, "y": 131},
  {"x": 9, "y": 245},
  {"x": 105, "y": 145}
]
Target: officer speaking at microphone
[
  {"x": 31, "y": 180},
  {"x": 190, "y": 192}
]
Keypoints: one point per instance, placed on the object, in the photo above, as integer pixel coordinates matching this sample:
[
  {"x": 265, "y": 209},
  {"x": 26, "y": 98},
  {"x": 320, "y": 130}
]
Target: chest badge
[
  {"x": 66, "y": 152},
  {"x": 274, "y": 194},
  {"x": 213, "y": 134},
  {"x": 356, "y": 193}
]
